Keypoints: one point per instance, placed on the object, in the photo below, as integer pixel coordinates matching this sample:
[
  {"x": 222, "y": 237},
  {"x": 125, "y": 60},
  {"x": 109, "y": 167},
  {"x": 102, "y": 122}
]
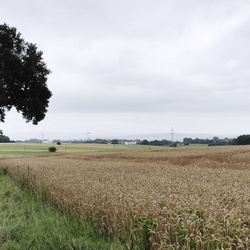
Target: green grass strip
[{"x": 27, "y": 222}]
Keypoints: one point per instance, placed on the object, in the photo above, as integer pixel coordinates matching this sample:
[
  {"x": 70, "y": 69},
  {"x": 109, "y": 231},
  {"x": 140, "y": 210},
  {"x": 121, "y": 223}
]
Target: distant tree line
[
  {"x": 216, "y": 141},
  {"x": 138, "y": 142},
  {"x": 187, "y": 141},
  {"x": 4, "y": 138},
  {"x": 156, "y": 142},
  {"x": 241, "y": 140}
]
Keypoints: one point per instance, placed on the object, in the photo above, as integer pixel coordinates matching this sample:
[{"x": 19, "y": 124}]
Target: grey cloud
[{"x": 141, "y": 57}]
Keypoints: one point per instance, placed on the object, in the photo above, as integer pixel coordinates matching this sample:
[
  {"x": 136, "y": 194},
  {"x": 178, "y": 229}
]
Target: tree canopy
[
  {"x": 23, "y": 77},
  {"x": 242, "y": 140}
]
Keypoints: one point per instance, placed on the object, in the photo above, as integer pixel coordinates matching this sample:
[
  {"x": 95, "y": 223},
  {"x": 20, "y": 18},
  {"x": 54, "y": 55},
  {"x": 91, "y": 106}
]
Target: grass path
[{"x": 27, "y": 222}]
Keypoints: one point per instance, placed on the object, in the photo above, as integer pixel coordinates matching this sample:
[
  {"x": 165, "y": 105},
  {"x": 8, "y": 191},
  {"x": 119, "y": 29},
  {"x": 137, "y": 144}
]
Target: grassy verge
[{"x": 27, "y": 222}]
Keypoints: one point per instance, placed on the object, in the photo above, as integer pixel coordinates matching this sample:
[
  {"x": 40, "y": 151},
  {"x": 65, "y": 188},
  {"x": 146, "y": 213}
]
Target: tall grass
[{"x": 27, "y": 222}]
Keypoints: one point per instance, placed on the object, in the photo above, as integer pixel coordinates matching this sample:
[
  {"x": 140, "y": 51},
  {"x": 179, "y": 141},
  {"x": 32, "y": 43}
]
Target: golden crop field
[{"x": 171, "y": 198}]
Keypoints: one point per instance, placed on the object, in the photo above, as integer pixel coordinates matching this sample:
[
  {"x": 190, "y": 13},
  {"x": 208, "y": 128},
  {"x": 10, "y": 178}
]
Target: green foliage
[
  {"x": 59, "y": 143},
  {"x": 145, "y": 142},
  {"x": 173, "y": 144},
  {"x": 242, "y": 140},
  {"x": 213, "y": 142},
  {"x": 3, "y": 171},
  {"x": 4, "y": 138},
  {"x": 140, "y": 234},
  {"x": 187, "y": 141},
  {"x": 115, "y": 141},
  {"x": 52, "y": 149},
  {"x": 156, "y": 142},
  {"x": 23, "y": 77},
  {"x": 101, "y": 141},
  {"x": 192, "y": 230}
]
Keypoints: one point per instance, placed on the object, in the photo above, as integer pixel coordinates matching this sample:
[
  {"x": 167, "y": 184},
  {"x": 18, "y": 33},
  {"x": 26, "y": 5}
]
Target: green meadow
[{"x": 25, "y": 149}]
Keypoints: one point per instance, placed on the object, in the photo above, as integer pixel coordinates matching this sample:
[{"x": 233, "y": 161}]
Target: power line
[
  {"x": 88, "y": 135},
  {"x": 172, "y": 134}
]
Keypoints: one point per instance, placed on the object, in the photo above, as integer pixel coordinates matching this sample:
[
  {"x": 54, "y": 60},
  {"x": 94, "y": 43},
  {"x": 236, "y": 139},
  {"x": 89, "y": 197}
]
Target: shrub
[
  {"x": 58, "y": 143},
  {"x": 52, "y": 149}
]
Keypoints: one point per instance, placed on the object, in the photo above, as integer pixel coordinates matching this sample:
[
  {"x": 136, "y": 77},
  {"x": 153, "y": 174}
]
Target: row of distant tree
[
  {"x": 158, "y": 143},
  {"x": 216, "y": 141},
  {"x": 240, "y": 140}
]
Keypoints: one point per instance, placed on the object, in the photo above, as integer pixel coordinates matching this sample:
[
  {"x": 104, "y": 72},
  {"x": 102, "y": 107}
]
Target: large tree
[
  {"x": 242, "y": 140},
  {"x": 23, "y": 77}
]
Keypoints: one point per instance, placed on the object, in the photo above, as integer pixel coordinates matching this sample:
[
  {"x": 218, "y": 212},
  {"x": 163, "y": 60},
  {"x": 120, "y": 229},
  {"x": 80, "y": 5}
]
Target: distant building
[
  {"x": 129, "y": 142},
  {"x": 46, "y": 141}
]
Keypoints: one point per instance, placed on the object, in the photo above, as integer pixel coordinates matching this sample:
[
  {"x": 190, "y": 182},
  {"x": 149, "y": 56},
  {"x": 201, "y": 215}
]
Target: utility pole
[
  {"x": 88, "y": 135},
  {"x": 172, "y": 134}
]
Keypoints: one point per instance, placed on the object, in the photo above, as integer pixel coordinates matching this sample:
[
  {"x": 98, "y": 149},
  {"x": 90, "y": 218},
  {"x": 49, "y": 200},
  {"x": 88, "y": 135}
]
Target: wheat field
[{"x": 171, "y": 198}]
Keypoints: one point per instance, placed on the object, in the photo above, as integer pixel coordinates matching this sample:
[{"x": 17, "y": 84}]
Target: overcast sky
[{"x": 137, "y": 66}]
